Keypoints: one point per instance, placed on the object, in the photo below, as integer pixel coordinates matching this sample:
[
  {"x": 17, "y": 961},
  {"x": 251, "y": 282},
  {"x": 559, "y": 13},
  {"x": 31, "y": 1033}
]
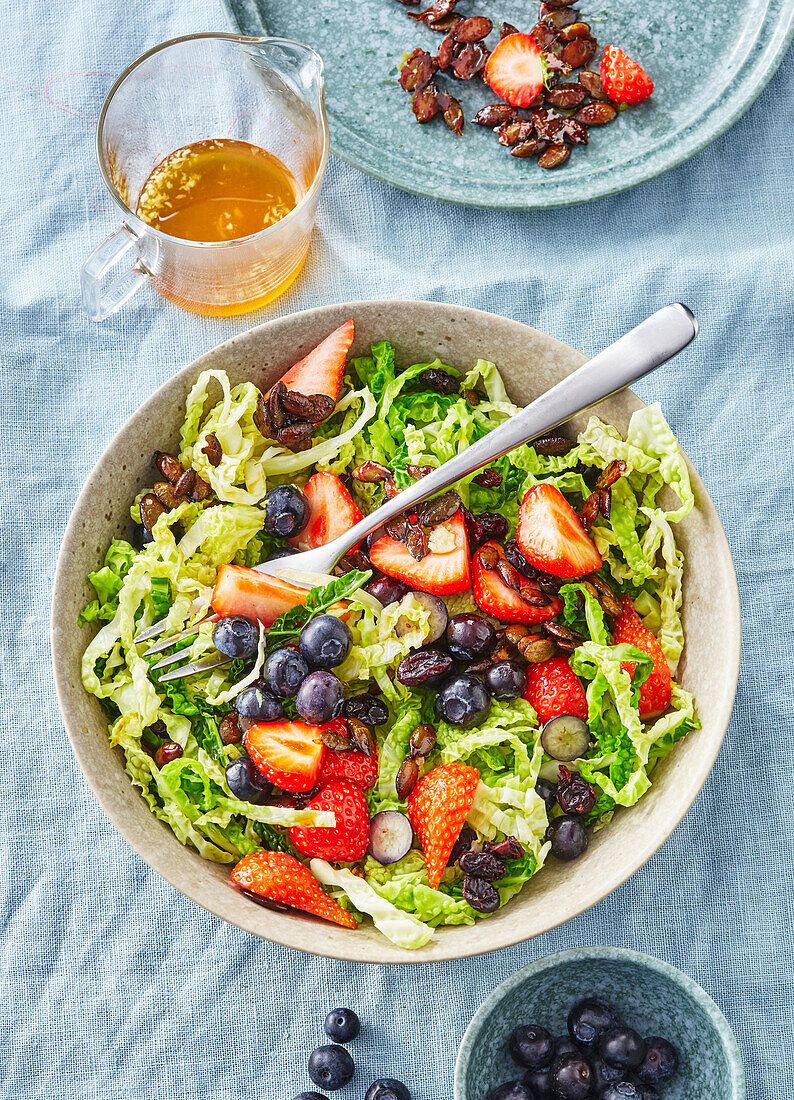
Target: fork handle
[{"x": 643, "y": 349}]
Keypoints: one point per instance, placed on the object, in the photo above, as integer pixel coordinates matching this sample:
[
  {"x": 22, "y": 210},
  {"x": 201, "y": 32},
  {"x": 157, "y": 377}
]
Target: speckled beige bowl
[{"x": 530, "y": 362}]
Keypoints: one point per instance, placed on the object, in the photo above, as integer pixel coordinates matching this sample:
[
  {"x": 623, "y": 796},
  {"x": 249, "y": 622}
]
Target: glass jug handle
[{"x": 99, "y": 302}]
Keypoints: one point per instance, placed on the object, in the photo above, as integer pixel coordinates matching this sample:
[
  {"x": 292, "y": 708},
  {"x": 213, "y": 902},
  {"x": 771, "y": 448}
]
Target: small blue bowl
[{"x": 653, "y": 997}]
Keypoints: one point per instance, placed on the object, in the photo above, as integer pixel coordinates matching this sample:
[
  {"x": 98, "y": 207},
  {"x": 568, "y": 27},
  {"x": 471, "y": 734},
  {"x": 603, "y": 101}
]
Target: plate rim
[
  {"x": 437, "y": 950},
  {"x": 752, "y": 77}
]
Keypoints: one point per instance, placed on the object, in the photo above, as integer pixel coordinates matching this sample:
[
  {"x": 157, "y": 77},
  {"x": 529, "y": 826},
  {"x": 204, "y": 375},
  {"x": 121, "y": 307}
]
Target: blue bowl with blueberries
[{"x": 599, "y": 1023}]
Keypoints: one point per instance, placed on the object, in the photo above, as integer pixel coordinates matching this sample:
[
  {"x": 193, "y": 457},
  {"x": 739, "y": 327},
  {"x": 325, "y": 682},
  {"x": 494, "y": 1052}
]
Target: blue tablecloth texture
[{"x": 114, "y": 986}]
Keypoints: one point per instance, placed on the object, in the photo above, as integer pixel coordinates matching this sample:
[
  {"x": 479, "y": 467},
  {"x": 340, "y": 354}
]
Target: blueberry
[
  {"x": 506, "y": 679},
  {"x": 320, "y": 697},
  {"x": 660, "y": 1061},
  {"x": 512, "y": 1090},
  {"x": 386, "y": 589},
  {"x": 368, "y": 709},
  {"x": 621, "y": 1090},
  {"x": 548, "y": 792},
  {"x": 286, "y": 511},
  {"x": 380, "y": 1090},
  {"x": 647, "y": 1092},
  {"x": 331, "y": 1066},
  {"x": 311, "y": 1096},
  {"x": 539, "y": 1082},
  {"x": 246, "y": 782},
  {"x": 589, "y": 1019},
  {"x": 622, "y": 1046},
  {"x": 342, "y": 1025},
  {"x": 284, "y": 672},
  {"x": 531, "y": 1046},
  {"x": 564, "y": 1045},
  {"x": 325, "y": 641},
  {"x": 462, "y": 701},
  {"x": 568, "y": 838},
  {"x": 604, "y": 1074},
  {"x": 571, "y": 1076},
  {"x": 236, "y": 637},
  {"x": 256, "y": 703},
  {"x": 469, "y": 636},
  {"x": 276, "y": 555}
]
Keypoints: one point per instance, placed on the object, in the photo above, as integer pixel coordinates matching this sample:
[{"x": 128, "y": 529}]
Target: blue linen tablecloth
[{"x": 113, "y": 985}]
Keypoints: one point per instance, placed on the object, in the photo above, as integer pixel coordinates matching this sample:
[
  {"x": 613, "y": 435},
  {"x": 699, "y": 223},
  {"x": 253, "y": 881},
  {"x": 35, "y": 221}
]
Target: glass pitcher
[{"x": 265, "y": 91}]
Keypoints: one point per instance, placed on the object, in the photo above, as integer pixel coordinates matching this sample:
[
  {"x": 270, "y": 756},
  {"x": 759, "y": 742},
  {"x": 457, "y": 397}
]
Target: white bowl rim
[{"x": 619, "y": 954}]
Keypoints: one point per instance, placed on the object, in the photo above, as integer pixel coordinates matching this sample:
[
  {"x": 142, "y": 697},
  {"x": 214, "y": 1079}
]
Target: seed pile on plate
[{"x": 542, "y": 113}]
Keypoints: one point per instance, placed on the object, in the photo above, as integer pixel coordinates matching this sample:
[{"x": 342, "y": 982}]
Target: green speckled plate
[{"x": 708, "y": 60}]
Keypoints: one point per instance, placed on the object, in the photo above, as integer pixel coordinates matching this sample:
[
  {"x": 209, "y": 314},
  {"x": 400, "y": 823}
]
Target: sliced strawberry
[
  {"x": 281, "y": 878},
  {"x": 515, "y": 69},
  {"x": 332, "y": 511},
  {"x": 321, "y": 370},
  {"x": 655, "y": 693},
  {"x": 623, "y": 80},
  {"x": 553, "y": 689},
  {"x": 441, "y": 572},
  {"x": 437, "y": 809},
  {"x": 348, "y": 839},
  {"x": 493, "y": 596},
  {"x": 355, "y": 766},
  {"x": 243, "y": 591},
  {"x": 551, "y": 536},
  {"x": 289, "y": 754}
]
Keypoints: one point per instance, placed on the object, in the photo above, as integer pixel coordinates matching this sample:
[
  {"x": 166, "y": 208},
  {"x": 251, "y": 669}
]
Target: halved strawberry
[
  {"x": 355, "y": 766},
  {"x": 281, "y": 878},
  {"x": 493, "y": 596},
  {"x": 441, "y": 572},
  {"x": 655, "y": 693},
  {"x": 289, "y": 754},
  {"x": 242, "y": 591},
  {"x": 332, "y": 511},
  {"x": 348, "y": 839},
  {"x": 623, "y": 80},
  {"x": 515, "y": 69},
  {"x": 551, "y": 536},
  {"x": 553, "y": 688},
  {"x": 321, "y": 370},
  {"x": 437, "y": 809}
]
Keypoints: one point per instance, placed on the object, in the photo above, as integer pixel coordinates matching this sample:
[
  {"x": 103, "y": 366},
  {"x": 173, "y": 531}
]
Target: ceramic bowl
[
  {"x": 530, "y": 362},
  {"x": 653, "y": 997}
]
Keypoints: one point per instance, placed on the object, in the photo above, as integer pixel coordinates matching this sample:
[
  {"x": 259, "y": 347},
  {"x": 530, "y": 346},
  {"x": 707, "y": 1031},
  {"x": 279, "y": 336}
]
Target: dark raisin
[
  {"x": 438, "y": 510},
  {"x": 480, "y": 895},
  {"x": 483, "y": 865},
  {"x": 462, "y": 844},
  {"x": 366, "y": 708},
  {"x": 473, "y": 29},
  {"x": 474, "y": 529},
  {"x": 517, "y": 559},
  {"x": 495, "y": 114},
  {"x": 509, "y": 848},
  {"x": 494, "y": 527},
  {"x": 488, "y": 479},
  {"x": 424, "y": 667},
  {"x": 567, "y": 96},
  {"x": 574, "y": 794},
  {"x": 554, "y": 156},
  {"x": 417, "y": 542},
  {"x": 596, "y": 114},
  {"x": 397, "y": 527},
  {"x": 438, "y": 380}
]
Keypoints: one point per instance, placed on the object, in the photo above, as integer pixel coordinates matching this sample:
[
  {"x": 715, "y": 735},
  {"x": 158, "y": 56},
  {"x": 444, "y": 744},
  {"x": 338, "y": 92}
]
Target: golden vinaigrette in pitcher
[{"x": 219, "y": 190}]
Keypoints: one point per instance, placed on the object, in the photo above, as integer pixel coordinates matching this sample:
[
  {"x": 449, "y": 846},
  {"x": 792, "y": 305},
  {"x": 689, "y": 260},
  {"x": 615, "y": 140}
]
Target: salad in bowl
[{"x": 474, "y": 691}]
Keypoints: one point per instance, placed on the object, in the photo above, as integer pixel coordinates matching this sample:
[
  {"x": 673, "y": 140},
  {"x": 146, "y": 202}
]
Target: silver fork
[{"x": 643, "y": 349}]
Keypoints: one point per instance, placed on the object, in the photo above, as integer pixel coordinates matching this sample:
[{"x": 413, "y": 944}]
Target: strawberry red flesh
[
  {"x": 321, "y": 370},
  {"x": 437, "y": 809},
  {"x": 655, "y": 692},
  {"x": 355, "y": 766},
  {"x": 623, "y": 80},
  {"x": 332, "y": 511},
  {"x": 242, "y": 591},
  {"x": 282, "y": 879},
  {"x": 551, "y": 537},
  {"x": 515, "y": 70},
  {"x": 289, "y": 754},
  {"x": 496, "y": 598},
  {"x": 439, "y": 573},
  {"x": 347, "y": 840},
  {"x": 554, "y": 689}
]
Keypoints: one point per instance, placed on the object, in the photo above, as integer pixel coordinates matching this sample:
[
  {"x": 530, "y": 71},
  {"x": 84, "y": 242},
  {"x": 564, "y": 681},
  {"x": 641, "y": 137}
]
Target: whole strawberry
[
  {"x": 347, "y": 841},
  {"x": 554, "y": 689},
  {"x": 437, "y": 809},
  {"x": 655, "y": 693},
  {"x": 281, "y": 878},
  {"x": 622, "y": 79}
]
